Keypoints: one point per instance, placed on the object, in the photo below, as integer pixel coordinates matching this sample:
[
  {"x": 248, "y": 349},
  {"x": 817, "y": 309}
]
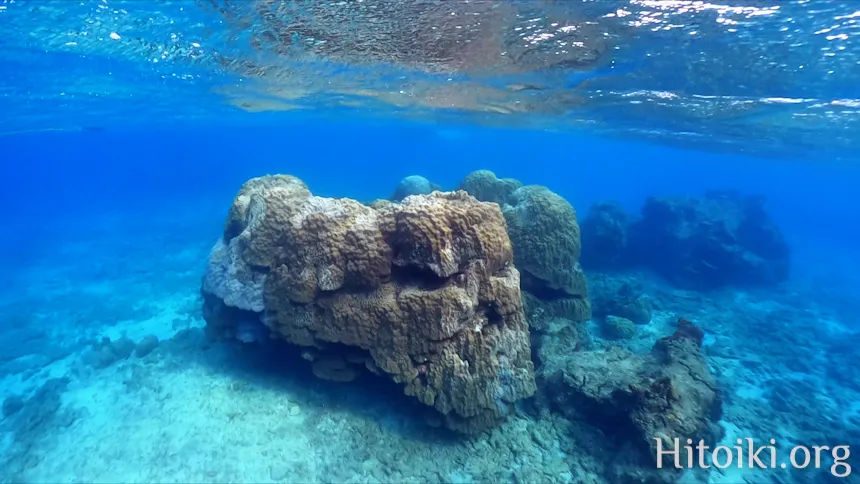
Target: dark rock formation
[
  {"x": 719, "y": 239},
  {"x": 635, "y": 399},
  {"x": 424, "y": 290}
]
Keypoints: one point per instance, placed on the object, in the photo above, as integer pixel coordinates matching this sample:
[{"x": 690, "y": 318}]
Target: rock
[
  {"x": 12, "y": 404},
  {"x": 425, "y": 288},
  {"x": 619, "y": 328},
  {"x": 107, "y": 352},
  {"x": 123, "y": 347},
  {"x": 635, "y": 399},
  {"x": 334, "y": 368},
  {"x": 146, "y": 345},
  {"x": 619, "y": 297},
  {"x": 413, "y": 185},
  {"x": 294, "y": 410},
  {"x": 279, "y": 472}
]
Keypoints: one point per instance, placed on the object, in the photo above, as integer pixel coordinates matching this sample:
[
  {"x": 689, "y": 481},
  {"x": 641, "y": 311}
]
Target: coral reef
[
  {"x": 719, "y": 239},
  {"x": 413, "y": 185},
  {"x": 545, "y": 234},
  {"x": 666, "y": 394},
  {"x": 425, "y": 288}
]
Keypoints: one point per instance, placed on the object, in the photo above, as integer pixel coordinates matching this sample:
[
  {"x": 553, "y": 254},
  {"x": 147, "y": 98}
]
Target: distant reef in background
[{"x": 717, "y": 240}]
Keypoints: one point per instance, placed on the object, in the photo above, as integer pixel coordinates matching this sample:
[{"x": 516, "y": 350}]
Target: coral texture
[
  {"x": 546, "y": 239},
  {"x": 425, "y": 288}
]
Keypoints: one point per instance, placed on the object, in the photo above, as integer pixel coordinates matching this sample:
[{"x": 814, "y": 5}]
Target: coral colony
[{"x": 451, "y": 294}]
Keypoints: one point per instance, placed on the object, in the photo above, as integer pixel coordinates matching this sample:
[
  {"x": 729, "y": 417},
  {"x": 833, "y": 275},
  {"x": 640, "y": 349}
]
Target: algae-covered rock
[
  {"x": 106, "y": 352},
  {"x": 635, "y": 399},
  {"x": 426, "y": 289},
  {"x": 621, "y": 297},
  {"x": 619, "y": 328},
  {"x": 146, "y": 345}
]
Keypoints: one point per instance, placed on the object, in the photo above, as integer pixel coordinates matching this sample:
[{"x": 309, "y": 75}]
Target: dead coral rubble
[{"x": 426, "y": 289}]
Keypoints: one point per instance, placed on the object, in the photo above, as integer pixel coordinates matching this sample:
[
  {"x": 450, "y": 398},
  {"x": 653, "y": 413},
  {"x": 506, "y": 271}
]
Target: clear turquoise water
[{"x": 129, "y": 126}]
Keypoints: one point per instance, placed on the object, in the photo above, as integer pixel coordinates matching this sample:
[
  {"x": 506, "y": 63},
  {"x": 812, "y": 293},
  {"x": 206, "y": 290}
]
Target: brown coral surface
[{"x": 425, "y": 287}]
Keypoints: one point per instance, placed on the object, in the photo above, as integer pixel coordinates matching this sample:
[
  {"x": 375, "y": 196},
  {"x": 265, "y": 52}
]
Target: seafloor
[{"x": 186, "y": 408}]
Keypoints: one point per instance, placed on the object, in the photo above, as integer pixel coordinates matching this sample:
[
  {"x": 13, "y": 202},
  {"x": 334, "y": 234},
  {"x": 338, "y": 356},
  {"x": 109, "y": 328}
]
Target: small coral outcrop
[
  {"x": 612, "y": 296},
  {"x": 413, "y": 185},
  {"x": 545, "y": 234},
  {"x": 425, "y": 290},
  {"x": 635, "y": 399},
  {"x": 619, "y": 328},
  {"x": 717, "y": 240}
]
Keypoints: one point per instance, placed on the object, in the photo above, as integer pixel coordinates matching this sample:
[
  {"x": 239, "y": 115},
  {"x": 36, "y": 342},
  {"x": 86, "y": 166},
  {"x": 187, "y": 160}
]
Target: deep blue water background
[{"x": 181, "y": 178}]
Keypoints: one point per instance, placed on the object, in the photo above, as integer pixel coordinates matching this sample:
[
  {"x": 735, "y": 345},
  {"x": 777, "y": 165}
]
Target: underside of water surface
[{"x": 763, "y": 77}]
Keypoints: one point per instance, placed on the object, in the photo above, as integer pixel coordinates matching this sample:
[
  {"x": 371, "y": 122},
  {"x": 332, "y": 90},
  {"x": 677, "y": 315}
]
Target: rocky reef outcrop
[
  {"x": 423, "y": 292},
  {"x": 545, "y": 235},
  {"x": 634, "y": 399},
  {"x": 719, "y": 239}
]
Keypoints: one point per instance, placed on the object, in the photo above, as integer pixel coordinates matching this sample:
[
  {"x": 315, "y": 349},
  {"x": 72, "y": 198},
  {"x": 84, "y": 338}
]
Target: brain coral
[{"x": 426, "y": 289}]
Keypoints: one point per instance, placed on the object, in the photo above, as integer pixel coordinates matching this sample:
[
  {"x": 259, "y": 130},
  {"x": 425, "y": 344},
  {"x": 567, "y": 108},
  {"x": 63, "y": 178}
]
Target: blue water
[{"x": 119, "y": 172}]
